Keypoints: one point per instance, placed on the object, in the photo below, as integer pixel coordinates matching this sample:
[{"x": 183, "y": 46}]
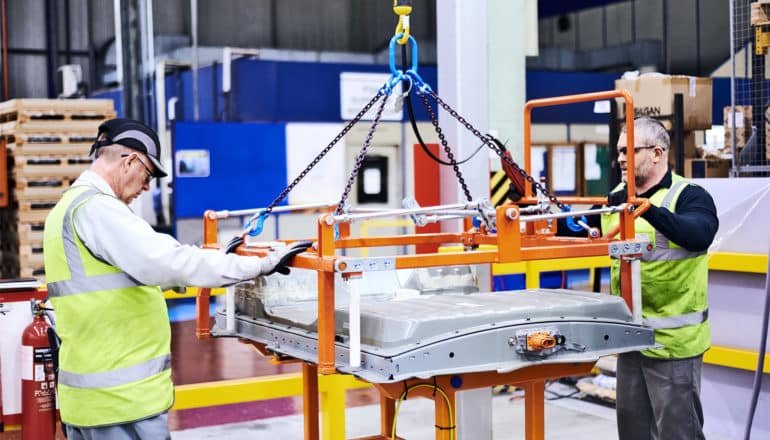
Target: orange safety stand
[{"x": 536, "y": 242}]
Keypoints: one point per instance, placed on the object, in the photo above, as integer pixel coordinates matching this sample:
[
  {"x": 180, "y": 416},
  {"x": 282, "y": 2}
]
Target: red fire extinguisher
[{"x": 38, "y": 384}]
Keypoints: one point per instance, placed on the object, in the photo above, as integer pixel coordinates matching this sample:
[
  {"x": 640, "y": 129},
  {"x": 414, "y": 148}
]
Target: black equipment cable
[
  {"x": 761, "y": 360},
  {"x": 413, "y": 121}
]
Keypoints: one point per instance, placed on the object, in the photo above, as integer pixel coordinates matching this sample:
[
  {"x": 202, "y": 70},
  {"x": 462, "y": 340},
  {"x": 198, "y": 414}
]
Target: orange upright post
[
  {"x": 325, "y": 298},
  {"x": 534, "y": 409},
  {"x": 310, "y": 400},
  {"x": 203, "y": 313},
  {"x": 387, "y": 413}
]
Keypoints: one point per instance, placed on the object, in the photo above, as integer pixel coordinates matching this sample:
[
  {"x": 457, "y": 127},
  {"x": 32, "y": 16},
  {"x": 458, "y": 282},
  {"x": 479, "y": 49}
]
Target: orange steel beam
[
  {"x": 326, "y": 298},
  {"x": 310, "y": 400},
  {"x": 567, "y": 200},
  {"x": 203, "y": 313},
  {"x": 571, "y": 99},
  {"x": 509, "y": 249},
  {"x": 397, "y": 240},
  {"x": 625, "y": 283},
  {"x": 534, "y": 410},
  {"x": 387, "y": 413},
  {"x": 210, "y": 224}
]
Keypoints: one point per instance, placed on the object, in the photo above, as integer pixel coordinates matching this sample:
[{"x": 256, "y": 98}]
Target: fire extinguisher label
[{"x": 43, "y": 358}]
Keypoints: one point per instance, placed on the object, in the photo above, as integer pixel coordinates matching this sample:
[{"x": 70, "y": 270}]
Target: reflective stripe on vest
[
  {"x": 79, "y": 282},
  {"x": 662, "y": 252},
  {"x": 113, "y": 378},
  {"x": 671, "y": 322}
]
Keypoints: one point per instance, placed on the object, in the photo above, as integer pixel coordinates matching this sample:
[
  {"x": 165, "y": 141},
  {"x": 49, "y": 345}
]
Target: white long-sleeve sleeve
[{"x": 113, "y": 233}]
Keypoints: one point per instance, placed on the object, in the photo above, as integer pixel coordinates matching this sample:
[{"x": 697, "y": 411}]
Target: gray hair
[
  {"x": 111, "y": 153},
  {"x": 649, "y": 131}
]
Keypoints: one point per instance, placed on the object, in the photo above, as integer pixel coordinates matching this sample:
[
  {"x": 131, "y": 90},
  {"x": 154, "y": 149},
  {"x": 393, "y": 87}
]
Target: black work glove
[
  {"x": 277, "y": 260},
  {"x": 618, "y": 197}
]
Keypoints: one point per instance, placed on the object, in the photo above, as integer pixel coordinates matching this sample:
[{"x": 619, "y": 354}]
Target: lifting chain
[
  {"x": 495, "y": 148},
  {"x": 361, "y": 155},
  {"x": 447, "y": 149},
  {"x": 323, "y": 152}
]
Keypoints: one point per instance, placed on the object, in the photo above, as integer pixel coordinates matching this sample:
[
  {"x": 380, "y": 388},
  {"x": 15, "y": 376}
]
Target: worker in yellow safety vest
[
  {"x": 658, "y": 390},
  {"x": 105, "y": 267}
]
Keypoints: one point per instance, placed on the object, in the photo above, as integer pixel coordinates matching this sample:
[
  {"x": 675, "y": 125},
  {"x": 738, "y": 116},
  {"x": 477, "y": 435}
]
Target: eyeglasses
[
  {"x": 623, "y": 150},
  {"x": 149, "y": 177}
]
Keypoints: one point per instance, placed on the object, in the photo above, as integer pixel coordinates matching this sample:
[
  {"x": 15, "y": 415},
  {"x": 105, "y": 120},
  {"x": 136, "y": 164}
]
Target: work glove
[
  {"x": 617, "y": 198},
  {"x": 277, "y": 260}
]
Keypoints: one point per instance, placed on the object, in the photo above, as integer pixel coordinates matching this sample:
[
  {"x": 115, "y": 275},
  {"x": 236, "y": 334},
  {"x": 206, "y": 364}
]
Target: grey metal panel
[
  {"x": 566, "y": 38},
  {"x": 104, "y": 21},
  {"x": 545, "y": 29},
  {"x": 725, "y": 394},
  {"x": 313, "y": 25},
  {"x": 736, "y": 298},
  {"x": 453, "y": 333},
  {"x": 714, "y": 31},
  {"x": 172, "y": 17},
  {"x": 387, "y": 323},
  {"x": 618, "y": 23},
  {"x": 27, "y": 76},
  {"x": 26, "y": 24},
  {"x": 649, "y": 19},
  {"x": 591, "y": 29},
  {"x": 78, "y": 35},
  {"x": 682, "y": 52},
  {"x": 243, "y": 23}
]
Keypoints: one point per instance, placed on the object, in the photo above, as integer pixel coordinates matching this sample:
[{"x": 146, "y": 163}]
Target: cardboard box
[
  {"x": 691, "y": 141},
  {"x": 742, "y": 129},
  {"x": 760, "y": 13},
  {"x": 699, "y": 168},
  {"x": 654, "y": 96}
]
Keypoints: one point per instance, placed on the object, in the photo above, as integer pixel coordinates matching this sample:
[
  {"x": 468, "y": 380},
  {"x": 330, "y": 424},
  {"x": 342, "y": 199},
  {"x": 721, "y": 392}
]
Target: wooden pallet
[
  {"x": 32, "y": 264},
  {"x": 49, "y": 149},
  {"x": 30, "y": 233},
  {"x": 42, "y": 192},
  {"x": 60, "y": 105},
  {"x": 760, "y": 13},
  {"x": 52, "y": 137},
  {"x": 35, "y": 272},
  {"x": 31, "y": 250},
  {"x": 34, "y": 211},
  {"x": 55, "y": 116},
  {"x": 37, "y": 126},
  {"x": 27, "y": 168},
  {"x": 24, "y": 110}
]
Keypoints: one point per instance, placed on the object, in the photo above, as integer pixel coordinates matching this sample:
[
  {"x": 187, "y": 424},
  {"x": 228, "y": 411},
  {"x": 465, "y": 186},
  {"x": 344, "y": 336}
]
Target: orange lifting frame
[{"x": 536, "y": 243}]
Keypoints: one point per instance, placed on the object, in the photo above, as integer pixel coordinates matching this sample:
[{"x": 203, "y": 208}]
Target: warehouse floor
[{"x": 565, "y": 418}]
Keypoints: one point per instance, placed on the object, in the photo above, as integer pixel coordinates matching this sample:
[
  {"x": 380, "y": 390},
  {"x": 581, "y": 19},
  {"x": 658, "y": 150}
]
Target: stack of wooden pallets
[{"x": 47, "y": 143}]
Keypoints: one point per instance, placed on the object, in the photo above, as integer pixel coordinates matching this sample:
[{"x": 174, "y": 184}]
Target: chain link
[
  {"x": 447, "y": 149},
  {"x": 323, "y": 152},
  {"x": 360, "y": 157},
  {"x": 488, "y": 141}
]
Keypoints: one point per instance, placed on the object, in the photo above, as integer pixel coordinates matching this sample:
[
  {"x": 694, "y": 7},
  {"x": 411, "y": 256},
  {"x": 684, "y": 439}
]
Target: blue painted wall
[
  {"x": 247, "y": 166},
  {"x": 281, "y": 91}
]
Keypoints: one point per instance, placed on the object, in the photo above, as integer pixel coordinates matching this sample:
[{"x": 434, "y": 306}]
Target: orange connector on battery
[{"x": 541, "y": 340}]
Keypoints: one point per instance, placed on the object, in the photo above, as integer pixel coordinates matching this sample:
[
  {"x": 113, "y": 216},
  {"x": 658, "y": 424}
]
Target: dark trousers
[
  {"x": 659, "y": 399},
  {"x": 153, "y": 428}
]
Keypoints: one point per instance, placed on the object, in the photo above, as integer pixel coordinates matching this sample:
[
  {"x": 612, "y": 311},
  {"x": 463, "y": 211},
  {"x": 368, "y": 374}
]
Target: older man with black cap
[{"x": 104, "y": 266}]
